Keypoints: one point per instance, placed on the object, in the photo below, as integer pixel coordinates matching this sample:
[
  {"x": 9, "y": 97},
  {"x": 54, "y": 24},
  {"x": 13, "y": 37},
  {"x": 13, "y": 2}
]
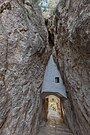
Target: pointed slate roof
[{"x": 49, "y": 83}]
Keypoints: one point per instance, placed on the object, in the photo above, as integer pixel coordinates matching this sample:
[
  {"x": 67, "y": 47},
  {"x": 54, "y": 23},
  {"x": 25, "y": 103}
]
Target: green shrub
[{"x": 62, "y": 1}]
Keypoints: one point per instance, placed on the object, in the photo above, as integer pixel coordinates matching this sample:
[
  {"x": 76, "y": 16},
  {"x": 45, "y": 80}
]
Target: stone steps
[
  {"x": 54, "y": 126},
  {"x": 60, "y": 129}
]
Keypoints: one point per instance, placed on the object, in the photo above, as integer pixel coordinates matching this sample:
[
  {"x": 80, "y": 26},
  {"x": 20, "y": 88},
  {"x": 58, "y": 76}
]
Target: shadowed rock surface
[
  {"x": 24, "y": 53},
  {"x": 73, "y": 57}
]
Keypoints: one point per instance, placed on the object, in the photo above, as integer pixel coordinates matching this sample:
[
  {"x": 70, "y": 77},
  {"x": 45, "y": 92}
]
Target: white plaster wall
[{"x": 49, "y": 84}]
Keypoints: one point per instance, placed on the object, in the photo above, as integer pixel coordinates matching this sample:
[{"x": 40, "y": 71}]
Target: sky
[{"x": 48, "y": 6}]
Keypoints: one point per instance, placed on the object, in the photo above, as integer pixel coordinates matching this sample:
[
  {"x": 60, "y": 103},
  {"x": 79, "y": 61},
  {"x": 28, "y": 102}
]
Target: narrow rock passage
[{"x": 54, "y": 125}]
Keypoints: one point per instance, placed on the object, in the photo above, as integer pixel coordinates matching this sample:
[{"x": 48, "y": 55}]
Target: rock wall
[
  {"x": 23, "y": 56},
  {"x": 72, "y": 52}
]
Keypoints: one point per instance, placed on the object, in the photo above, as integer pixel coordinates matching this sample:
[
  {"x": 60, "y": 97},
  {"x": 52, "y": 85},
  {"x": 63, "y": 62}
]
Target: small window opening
[
  {"x": 52, "y": 99},
  {"x": 56, "y": 79}
]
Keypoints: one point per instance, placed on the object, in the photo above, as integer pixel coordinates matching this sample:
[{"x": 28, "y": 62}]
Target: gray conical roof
[{"x": 52, "y": 79}]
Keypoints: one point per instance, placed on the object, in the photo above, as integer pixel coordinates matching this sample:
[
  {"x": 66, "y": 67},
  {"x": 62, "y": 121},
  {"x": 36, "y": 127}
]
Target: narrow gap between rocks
[{"x": 53, "y": 117}]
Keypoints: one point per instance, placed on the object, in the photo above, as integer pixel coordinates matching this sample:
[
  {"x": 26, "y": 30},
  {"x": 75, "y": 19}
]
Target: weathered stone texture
[
  {"x": 73, "y": 56},
  {"x": 23, "y": 54}
]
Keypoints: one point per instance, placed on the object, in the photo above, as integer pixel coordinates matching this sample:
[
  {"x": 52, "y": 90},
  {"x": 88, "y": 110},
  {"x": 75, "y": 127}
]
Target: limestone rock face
[
  {"x": 73, "y": 57},
  {"x": 23, "y": 55}
]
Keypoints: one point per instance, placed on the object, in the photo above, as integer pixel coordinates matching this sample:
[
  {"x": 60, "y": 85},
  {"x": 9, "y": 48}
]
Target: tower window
[{"x": 56, "y": 79}]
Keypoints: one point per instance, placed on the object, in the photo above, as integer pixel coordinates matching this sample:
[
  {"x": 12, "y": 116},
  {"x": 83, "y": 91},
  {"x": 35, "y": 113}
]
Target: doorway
[
  {"x": 53, "y": 116},
  {"x": 52, "y": 110}
]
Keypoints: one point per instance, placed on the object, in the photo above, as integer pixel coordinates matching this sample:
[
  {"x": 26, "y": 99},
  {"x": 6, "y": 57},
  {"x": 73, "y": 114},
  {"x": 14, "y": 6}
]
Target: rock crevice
[{"x": 24, "y": 53}]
